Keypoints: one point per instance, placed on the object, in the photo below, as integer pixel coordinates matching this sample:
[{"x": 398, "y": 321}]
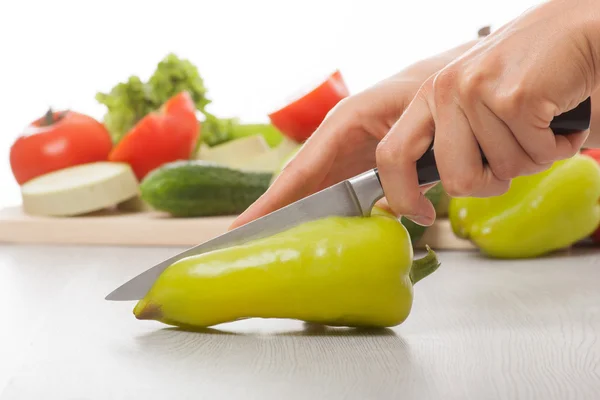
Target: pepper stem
[{"x": 424, "y": 267}]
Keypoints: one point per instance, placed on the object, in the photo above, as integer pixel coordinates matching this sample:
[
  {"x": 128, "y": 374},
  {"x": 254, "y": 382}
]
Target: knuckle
[
  {"x": 511, "y": 103},
  {"x": 506, "y": 170},
  {"x": 502, "y": 189},
  {"x": 344, "y": 104},
  {"x": 443, "y": 84},
  {"x": 386, "y": 154},
  {"x": 461, "y": 185},
  {"x": 340, "y": 107},
  {"x": 471, "y": 83},
  {"x": 536, "y": 168},
  {"x": 426, "y": 89},
  {"x": 540, "y": 158}
]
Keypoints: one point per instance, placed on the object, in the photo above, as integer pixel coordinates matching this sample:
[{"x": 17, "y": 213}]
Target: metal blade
[{"x": 354, "y": 197}]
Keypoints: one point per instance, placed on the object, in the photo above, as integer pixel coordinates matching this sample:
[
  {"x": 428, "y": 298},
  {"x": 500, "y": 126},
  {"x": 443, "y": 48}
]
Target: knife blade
[{"x": 354, "y": 197}]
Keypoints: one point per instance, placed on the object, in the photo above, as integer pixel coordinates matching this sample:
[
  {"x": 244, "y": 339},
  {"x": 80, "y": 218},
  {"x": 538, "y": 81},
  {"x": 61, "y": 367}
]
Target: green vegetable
[
  {"x": 216, "y": 131},
  {"x": 338, "y": 271},
  {"x": 271, "y": 134},
  {"x": 416, "y": 231},
  {"x": 128, "y": 102},
  {"x": 174, "y": 75},
  {"x": 441, "y": 208},
  {"x": 200, "y": 188},
  {"x": 539, "y": 214}
]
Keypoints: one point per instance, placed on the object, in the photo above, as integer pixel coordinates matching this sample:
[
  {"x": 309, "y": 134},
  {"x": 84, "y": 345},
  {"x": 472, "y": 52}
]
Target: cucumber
[{"x": 198, "y": 188}]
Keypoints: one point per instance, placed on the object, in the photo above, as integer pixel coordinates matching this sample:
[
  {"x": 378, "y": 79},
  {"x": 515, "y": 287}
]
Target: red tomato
[
  {"x": 169, "y": 134},
  {"x": 299, "y": 119},
  {"x": 56, "y": 141},
  {"x": 595, "y": 154}
]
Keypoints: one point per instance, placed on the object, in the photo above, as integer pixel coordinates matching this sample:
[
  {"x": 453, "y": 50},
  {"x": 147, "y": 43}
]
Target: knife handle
[{"x": 576, "y": 120}]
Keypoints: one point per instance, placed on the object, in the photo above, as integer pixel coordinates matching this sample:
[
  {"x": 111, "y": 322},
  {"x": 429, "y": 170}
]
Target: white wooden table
[{"x": 479, "y": 329}]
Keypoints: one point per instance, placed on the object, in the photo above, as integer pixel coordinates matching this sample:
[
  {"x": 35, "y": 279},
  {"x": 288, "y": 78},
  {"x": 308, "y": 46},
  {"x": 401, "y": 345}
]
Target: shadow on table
[
  {"x": 282, "y": 348},
  {"x": 276, "y": 359},
  {"x": 309, "y": 329},
  {"x": 582, "y": 249}
]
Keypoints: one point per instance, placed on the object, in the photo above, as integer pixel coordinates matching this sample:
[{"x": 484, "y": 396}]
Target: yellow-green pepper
[
  {"x": 539, "y": 214},
  {"x": 337, "y": 271}
]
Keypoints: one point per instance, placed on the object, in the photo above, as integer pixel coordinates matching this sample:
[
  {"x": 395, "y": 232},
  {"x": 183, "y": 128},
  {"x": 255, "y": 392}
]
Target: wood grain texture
[
  {"x": 151, "y": 229},
  {"x": 479, "y": 329}
]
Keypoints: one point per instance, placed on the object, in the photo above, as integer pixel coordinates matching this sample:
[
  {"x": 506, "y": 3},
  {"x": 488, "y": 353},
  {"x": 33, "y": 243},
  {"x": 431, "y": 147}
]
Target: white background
[{"x": 251, "y": 53}]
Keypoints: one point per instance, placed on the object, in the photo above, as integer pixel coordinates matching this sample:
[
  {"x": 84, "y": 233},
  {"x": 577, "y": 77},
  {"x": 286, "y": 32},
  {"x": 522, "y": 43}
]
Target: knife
[{"x": 353, "y": 197}]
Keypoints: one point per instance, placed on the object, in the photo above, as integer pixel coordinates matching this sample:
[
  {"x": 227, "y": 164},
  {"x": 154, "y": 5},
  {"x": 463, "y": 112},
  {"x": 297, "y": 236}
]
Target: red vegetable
[
  {"x": 595, "y": 154},
  {"x": 58, "y": 140},
  {"x": 299, "y": 119},
  {"x": 169, "y": 134}
]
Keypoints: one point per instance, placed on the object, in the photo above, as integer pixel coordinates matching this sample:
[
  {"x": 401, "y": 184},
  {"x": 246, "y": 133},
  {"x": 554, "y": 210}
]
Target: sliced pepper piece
[
  {"x": 539, "y": 214},
  {"x": 338, "y": 271}
]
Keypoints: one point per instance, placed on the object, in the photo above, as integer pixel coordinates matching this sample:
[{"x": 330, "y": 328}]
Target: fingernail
[
  {"x": 420, "y": 219},
  {"x": 425, "y": 213}
]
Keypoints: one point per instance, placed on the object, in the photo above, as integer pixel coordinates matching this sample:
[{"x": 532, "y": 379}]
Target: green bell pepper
[
  {"x": 338, "y": 271},
  {"x": 539, "y": 214}
]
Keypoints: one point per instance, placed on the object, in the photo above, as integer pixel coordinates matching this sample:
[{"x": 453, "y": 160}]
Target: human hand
[
  {"x": 500, "y": 96},
  {"x": 345, "y": 143}
]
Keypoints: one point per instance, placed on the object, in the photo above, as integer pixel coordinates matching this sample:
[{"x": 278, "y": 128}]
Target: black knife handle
[{"x": 576, "y": 120}]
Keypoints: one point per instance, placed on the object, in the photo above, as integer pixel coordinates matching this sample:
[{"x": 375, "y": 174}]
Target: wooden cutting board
[{"x": 117, "y": 227}]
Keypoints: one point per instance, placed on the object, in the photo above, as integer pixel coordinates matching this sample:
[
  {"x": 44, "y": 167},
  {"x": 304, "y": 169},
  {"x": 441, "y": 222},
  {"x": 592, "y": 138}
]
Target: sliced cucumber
[
  {"x": 235, "y": 153},
  {"x": 272, "y": 160},
  {"x": 80, "y": 189}
]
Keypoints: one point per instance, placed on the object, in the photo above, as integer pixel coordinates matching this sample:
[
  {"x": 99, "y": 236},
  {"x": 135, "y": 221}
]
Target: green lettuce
[{"x": 128, "y": 102}]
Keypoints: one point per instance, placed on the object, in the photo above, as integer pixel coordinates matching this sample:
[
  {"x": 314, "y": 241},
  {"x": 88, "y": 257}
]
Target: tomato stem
[{"x": 50, "y": 119}]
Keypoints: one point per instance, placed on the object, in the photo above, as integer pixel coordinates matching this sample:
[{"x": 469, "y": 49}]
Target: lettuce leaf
[{"x": 128, "y": 102}]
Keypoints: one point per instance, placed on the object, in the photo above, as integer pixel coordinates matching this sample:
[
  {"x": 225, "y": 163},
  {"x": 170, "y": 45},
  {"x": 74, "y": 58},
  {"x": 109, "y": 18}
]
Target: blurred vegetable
[
  {"x": 299, "y": 119},
  {"x": 441, "y": 208},
  {"x": 216, "y": 131},
  {"x": 58, "y": 140},
  {"x": 595, "y": 154},
  {"x": 539, "y": 214},
  {"x": 168, "y": 134},
  {"x": 79, "y": 190},
  {"x": 235, "y": 153},
  {"x": 201, "y": 188},
  {"x": 128, "y": 102}
]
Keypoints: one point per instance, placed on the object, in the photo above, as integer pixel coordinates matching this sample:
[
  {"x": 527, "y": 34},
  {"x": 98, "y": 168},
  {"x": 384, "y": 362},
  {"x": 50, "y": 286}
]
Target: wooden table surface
[{"x": 479, "y": 329}]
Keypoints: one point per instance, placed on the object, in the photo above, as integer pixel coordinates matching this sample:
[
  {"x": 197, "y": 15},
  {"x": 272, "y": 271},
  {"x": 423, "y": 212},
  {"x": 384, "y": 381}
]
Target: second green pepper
[{"x": 539, "y": 214}]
